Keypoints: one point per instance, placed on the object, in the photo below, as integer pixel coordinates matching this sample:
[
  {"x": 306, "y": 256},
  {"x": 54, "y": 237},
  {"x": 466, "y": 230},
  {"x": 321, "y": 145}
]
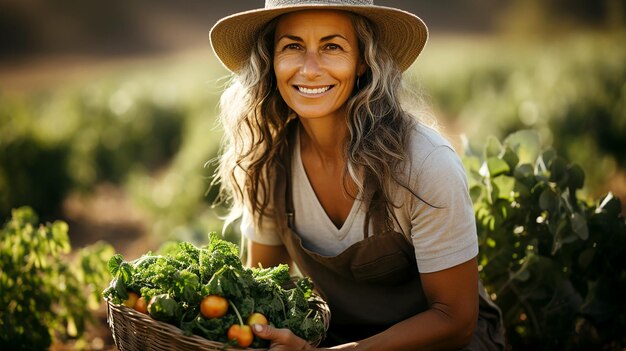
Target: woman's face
[{"x": 316, "y": 62}]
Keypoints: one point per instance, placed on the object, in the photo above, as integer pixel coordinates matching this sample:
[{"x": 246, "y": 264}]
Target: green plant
[
  {"x": 553, "y": 262},
  {"x": 45, "y": 296}
]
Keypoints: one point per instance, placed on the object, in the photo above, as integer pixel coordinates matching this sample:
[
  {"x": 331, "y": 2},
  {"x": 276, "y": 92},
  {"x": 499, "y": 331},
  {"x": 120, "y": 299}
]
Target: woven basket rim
[{"x": 138, "y": 320}]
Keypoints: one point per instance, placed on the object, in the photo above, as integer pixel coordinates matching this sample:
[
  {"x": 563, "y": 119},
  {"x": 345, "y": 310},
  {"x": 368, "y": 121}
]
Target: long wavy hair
[{"x": 255, "y": 120}]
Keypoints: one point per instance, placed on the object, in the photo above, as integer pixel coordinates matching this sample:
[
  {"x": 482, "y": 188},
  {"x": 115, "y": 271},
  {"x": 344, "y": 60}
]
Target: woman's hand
[{"x": 281, "y": 339}]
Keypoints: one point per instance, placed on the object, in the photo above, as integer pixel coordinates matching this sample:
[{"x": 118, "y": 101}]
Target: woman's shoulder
[
  {"x": 427, "y": 142},
  {"x": 432, "y": 160},
  {"x": 434, "y": 169}
]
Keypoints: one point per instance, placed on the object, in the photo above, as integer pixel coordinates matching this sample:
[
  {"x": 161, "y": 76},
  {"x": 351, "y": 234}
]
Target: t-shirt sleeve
[
  {"x": 443, "y": 229},
  {"x": 266, "y": 234}
]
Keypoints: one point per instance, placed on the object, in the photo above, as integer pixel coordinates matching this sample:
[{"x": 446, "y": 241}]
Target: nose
[{"x": 311, "y": 67}]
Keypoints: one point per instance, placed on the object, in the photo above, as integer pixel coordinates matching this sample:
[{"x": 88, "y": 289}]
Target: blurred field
[
  {"x": 122, "y": 147},
  {"x": 135, "y": 132}
]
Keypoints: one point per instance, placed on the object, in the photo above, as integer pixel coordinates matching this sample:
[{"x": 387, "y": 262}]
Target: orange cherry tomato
[
  {"x": 131, "y": 300},
  {"x": 213, "y": 306},
  {"x": 141, "y": 305},
  {"x": 257, "y": 318},
  {"x": 240, "y": 333}
]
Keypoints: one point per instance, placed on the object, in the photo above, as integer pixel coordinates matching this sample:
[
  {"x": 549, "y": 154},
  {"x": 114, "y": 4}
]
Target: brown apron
[{"x": 374, "y": 283}]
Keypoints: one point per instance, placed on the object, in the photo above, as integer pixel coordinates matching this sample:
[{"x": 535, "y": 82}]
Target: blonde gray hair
[{"x": 255, "y": 120}]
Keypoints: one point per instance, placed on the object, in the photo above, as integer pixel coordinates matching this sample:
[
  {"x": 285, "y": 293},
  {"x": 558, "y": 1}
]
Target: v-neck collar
[{"x": 298, "y": 168}]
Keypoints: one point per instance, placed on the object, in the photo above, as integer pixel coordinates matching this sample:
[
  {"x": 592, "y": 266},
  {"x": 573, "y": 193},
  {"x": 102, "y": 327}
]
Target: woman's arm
[
  {"x": 448, "y": 323},
  {"x": 267, "y": 255}
]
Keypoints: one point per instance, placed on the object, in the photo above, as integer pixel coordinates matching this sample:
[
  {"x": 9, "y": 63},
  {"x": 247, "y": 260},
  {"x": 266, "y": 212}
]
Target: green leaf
[
  {"x": 559, "y": 237},
  {"x": 491, "y": 223},
  {"x": 524, "y": 171},
  {"x": 510, "y": 157},
  {"x": 558, "y": 171},
  {"x": 579, "y": 226},
  {"x": 59, "y": 230},
  {"x": 475, "y": 193},
  {"x": 576, "y": 177},
  {"x": 548, "y": 200},
  {"x": 120, "y": 288},
  {"x": 114, "y": 264},
  {"x": 125, "y": 273},
  {"x": 493, "y": 148},
  {"x": 548, "y": 156},
  {"x": 496, "y": 166},
  {"x": 526, "y": 144},
  {"x": 164, "y": 308},
  {"x": 24, "y": 215},
  {"x": 505, "y": 186},
  {"x": 187, "y": 286},
  {"x": 522, "y": 191}
]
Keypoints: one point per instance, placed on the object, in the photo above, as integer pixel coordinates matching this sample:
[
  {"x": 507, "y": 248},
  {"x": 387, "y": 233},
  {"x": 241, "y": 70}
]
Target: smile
[{"x": 314, "y": 91}]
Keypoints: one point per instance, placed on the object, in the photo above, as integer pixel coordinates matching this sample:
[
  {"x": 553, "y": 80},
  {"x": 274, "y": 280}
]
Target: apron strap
[
  {"x": 292, "y": 129},
  {"x": 377, "y": 215}
]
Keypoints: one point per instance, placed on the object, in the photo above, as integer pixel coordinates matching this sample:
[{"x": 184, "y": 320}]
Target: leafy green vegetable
[
  {"x": 164, "y": 308},
  {"x": 177, "y": 278}
]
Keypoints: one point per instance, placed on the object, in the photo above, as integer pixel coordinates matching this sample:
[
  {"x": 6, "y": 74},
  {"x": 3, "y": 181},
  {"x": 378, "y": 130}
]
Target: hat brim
[{"x": 402, "y": 33}]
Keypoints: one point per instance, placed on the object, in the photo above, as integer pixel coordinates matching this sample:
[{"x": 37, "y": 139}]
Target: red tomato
[
  {"x": 132, "y": 299},
  {"x": 240, "y": 333},
  {"x": 213, "y": 306},
  {"x": 141, "y": 305}
]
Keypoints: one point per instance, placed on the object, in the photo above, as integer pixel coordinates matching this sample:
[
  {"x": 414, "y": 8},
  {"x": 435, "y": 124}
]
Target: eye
[
  {"x": 292, "y": 46},
  {"x": 332, "y": 47}
]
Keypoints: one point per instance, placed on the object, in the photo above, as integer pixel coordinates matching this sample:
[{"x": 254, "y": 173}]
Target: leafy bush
[
  {"x": 553, "y": 262},
  {"x": 45, "y": 296}
]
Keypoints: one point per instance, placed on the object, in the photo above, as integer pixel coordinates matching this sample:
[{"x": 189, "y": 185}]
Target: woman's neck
[{"x": 323, "y": 138}]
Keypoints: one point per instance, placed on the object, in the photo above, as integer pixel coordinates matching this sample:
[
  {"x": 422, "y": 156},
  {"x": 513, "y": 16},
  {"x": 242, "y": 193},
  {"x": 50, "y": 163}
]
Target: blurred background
[{"x": 107, "y": 109}]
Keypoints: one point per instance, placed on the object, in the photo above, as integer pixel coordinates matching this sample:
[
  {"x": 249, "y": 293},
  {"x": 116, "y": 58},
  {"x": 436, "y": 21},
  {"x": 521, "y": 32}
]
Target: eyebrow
[{"x": 297, "y": 38}]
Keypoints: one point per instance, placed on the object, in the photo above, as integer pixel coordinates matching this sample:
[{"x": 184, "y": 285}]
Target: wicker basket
[{"x": 135, "y": 331}]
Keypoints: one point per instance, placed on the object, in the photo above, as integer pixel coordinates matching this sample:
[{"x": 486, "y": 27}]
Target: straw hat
[{"x": 401, "y": 32}]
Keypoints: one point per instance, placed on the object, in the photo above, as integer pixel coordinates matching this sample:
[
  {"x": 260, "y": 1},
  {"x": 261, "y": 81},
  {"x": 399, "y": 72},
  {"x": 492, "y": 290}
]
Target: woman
[{"x": 330, "y": 173}]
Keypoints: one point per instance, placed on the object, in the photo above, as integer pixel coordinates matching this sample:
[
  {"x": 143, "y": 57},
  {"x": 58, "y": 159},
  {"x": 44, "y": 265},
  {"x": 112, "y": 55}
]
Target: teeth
[{"x": 313, "y": 91}]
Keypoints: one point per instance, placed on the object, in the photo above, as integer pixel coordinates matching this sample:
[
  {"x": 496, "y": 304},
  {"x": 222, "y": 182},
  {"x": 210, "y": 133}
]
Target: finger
[
  {"x": 270, "y": 333},
  {"x": 284, "y": 338}
]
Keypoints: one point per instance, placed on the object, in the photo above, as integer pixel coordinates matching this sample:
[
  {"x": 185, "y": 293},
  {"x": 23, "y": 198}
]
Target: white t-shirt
[{"x": 443, "y": 236}]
